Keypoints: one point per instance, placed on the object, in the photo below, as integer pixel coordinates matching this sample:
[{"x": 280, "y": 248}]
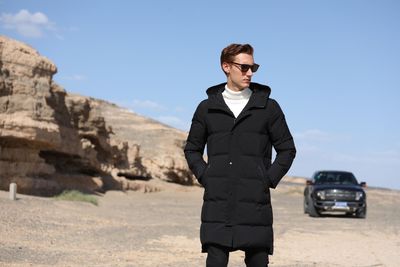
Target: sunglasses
[{"x": 246, "y": 67}]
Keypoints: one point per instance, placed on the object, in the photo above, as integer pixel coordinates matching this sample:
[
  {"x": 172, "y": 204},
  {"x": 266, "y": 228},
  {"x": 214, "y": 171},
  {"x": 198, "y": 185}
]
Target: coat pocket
[
  {"x": 203, "y": 178},
  {"x": 263, "y": 176}
]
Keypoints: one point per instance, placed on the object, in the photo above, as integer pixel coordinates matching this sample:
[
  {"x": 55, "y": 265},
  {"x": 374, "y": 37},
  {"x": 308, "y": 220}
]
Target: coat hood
[
  {"x": 259, "y": 97},
  {"x": 255, "y": 87}
]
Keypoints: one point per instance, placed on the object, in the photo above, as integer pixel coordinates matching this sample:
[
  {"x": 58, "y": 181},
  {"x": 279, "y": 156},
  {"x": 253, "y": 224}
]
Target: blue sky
[{"x": 332, "y": 65}]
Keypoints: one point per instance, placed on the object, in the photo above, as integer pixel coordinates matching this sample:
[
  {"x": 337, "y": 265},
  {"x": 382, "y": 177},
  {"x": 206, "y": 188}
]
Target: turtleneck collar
[{"x": 236, "y": 95}]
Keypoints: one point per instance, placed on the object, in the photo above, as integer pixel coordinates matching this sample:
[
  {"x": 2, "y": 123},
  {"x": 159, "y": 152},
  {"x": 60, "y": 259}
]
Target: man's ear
[{"x": 226, "y": 67}]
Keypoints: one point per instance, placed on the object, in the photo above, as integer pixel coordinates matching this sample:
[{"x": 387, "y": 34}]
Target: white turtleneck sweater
[{"x": 236, "y": 101}]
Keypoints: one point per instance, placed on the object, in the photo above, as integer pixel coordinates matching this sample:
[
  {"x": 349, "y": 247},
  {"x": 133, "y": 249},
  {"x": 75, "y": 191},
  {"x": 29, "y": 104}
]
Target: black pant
[{"x": 218, "y": 256}]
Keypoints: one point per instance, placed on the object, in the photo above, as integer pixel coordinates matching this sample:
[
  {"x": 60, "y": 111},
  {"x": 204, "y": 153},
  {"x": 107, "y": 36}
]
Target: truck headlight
[
  {"x": 359, "y": 195},
  {"x": 321, "y": 194}
]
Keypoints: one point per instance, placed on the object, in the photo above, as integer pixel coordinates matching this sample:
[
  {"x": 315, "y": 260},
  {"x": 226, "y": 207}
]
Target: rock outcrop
[
  {"x": 153, "y": 145},
  {"x": 51, "y": 141}
]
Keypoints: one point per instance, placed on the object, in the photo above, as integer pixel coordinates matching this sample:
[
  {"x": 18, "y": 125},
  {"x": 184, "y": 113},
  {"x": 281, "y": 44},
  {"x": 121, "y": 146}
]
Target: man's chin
[{"x": 246, "y": 84}]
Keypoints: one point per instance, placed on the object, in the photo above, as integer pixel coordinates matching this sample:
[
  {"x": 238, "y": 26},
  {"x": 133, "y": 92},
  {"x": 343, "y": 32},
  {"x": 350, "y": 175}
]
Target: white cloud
[
  {"x": 28, "y": 24},
  {"x": 179, "y": 109},
  {"x": 147, "y": 104},
  {"x": 75, "y": 77},
  {"x": 307, "y": 148},
  {"x": 383, "y": 158},
  {"x": 314, "y": 135},
  {"x": 174, "y": 122}
]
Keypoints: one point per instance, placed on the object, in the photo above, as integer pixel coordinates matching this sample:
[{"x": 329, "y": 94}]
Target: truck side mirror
[
  {"x": 309, "y": 182},
  {"x": 363, "y": 184}
]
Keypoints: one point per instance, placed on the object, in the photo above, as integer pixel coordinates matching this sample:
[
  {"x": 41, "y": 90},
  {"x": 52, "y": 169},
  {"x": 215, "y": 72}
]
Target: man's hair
[{"x": 232, "y": 50}]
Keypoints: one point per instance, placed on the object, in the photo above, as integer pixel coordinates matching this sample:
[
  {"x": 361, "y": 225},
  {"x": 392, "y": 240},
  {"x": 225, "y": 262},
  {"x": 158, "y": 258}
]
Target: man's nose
[{"x": 249, "y": 72}]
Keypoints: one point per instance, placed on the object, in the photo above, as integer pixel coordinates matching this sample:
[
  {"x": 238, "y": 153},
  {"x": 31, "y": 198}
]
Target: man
[{"x": 240, "y": 124}]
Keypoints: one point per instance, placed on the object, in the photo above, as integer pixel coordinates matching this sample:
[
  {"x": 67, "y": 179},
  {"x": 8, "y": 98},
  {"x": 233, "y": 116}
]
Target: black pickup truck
[{"x": 335, "y": 191}]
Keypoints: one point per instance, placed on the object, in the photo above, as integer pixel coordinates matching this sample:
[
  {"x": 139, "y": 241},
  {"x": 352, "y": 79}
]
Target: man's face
[{"x": 236, "y": 78}]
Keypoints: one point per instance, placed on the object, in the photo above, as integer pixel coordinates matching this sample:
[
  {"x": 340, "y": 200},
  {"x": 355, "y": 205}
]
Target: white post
[{"x": 13, "y": 191}]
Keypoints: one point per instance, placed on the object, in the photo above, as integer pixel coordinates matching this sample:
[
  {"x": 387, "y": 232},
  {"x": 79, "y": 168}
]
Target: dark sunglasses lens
[
  {"x": 245, "y": 67},
  {"x": 254, "y": 68}
]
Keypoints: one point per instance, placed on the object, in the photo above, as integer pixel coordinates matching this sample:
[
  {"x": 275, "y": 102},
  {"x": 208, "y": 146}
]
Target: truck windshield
[{"x": 335, "y": 178}]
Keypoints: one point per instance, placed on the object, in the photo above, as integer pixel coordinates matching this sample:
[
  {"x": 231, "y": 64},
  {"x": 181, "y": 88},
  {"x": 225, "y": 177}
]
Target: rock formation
[{"x": 51, "y": 141}]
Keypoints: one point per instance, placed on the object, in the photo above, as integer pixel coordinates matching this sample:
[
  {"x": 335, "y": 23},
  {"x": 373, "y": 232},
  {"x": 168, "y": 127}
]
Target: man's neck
[{"x": 233, "y": 88}]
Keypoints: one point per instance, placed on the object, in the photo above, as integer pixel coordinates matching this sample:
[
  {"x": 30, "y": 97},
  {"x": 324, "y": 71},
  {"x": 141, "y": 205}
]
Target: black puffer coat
[{"x": 237, "y": 210}]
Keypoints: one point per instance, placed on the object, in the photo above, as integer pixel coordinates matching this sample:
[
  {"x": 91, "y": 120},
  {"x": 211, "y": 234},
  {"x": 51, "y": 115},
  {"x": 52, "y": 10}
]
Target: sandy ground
[{"x": 161, "y": 229}]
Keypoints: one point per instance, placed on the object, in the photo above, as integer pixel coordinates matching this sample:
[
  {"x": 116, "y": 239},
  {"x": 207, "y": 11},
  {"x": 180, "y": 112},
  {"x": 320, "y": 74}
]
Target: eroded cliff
[{"x": 51, "y": 141}]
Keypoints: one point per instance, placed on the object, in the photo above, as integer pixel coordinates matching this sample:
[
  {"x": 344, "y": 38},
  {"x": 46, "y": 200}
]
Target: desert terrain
[{"x": 161, "y": 229}]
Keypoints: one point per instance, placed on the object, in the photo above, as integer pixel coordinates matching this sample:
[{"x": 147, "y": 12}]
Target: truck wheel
[
  {"x": 305, "y": 206},
  {"x": 361, "y": 213},
  {"x": 312, "y": 211}
]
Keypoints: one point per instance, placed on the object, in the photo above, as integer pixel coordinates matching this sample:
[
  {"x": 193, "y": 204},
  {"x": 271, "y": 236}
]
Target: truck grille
[{"x": 336, "y": 194}]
